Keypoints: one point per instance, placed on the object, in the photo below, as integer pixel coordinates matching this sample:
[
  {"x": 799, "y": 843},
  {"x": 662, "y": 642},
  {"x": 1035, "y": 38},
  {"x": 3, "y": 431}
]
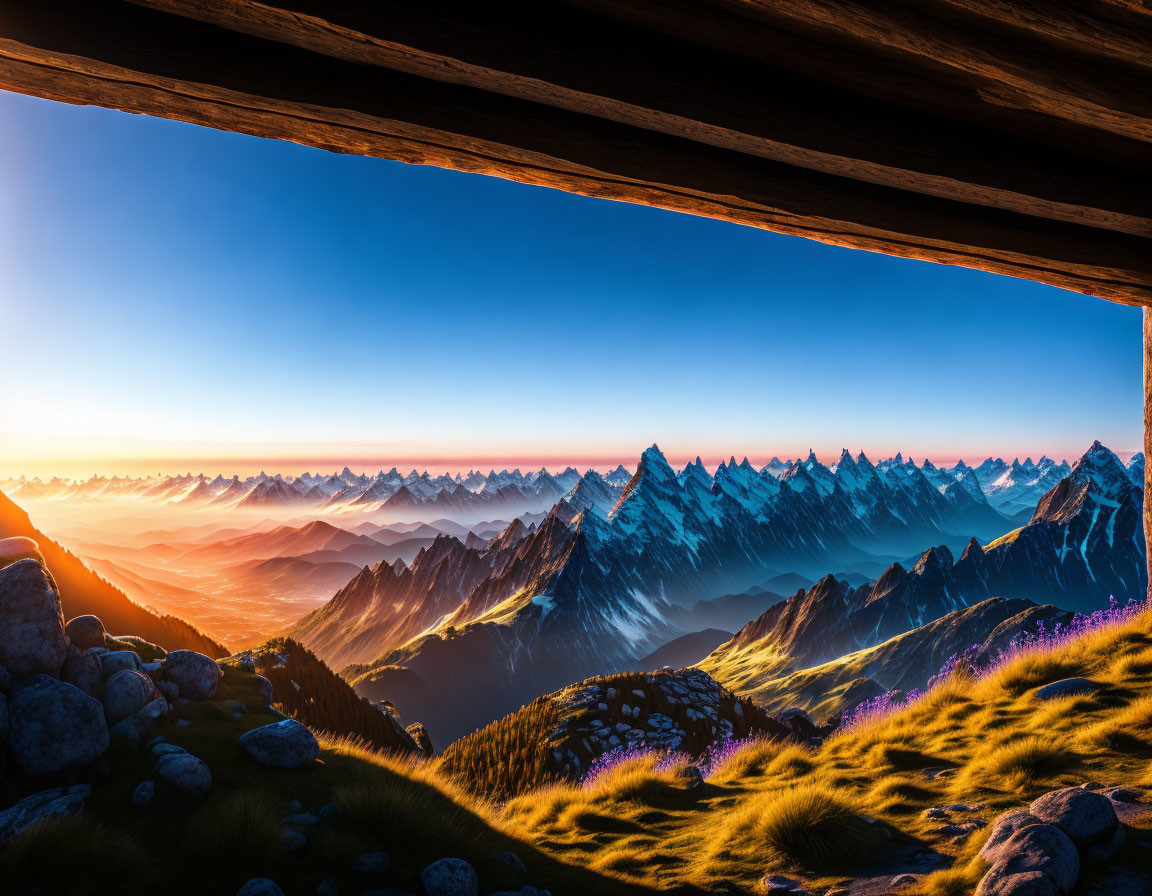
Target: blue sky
[{"x": 174, "y": 293}]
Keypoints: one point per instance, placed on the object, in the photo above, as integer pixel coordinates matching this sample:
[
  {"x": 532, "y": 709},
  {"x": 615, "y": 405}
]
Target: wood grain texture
[{"x": 1007, "y": 137}]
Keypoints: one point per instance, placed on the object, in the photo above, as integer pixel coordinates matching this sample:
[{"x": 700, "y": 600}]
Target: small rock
[
  {"x": 85, "y": 632},
  {"x": 1122, "y": 794},
  {"x": 371, "y": 863},
  {"x": 1091, "y": 785},
  {"x": 124, "y": 735},
  {"x": 691, "y": 776},
  {"x": 197, "y": 675},
  {"x": 294, "y": 840},
  {"x": 32, "y": 639},
  {"x": 902, "y": 880},
  {"x": 778, "y": 883},
  {"x": 151, "y": 713},
  {"x": 1066, "y": 687},
  {"x": 449, "y": 877},
  {"x": 294, "y": 805},
  {"x": 511, "y": 861},
  {"x": 169, "y": 690},
  {"x": 54, "y": 726},
  {"x": 260, "y": 886},
  {"x": 187, "y": 774},
  {"x": 118, "y": 660},
  {"x": 327, "y": 887},
  {"x": 143, "y": 795},
  {"x": 167, "y": 749},
  {"x": 326, "y": 812},
  {"x": 286, "y": 744}
]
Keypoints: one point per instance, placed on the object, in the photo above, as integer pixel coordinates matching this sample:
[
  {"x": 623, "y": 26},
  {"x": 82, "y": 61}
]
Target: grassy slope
[
  {"x": 1005, "y": 747},
  {"x": 773, "y": 807}
]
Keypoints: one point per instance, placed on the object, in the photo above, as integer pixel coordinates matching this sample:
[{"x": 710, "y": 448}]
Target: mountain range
[{"x": 467, "y": 634}]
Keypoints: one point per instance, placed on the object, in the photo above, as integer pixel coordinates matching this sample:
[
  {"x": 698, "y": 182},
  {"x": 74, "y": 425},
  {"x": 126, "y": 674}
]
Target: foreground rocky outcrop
[
  {"x": 1041, "y": 851},
  {"x": 72, "y": 696},
  {"x": 559, "y": 736}
]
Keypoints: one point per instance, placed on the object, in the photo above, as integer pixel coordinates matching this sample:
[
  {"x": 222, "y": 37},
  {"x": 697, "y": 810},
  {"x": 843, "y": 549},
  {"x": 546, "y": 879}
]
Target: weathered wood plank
[{"x": 713, "y": 125}]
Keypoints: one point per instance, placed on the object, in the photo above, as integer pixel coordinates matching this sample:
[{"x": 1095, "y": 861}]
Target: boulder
[
  {"x": 421, "y": 738},
  {"x": 117, "y": 660},
  {"x": 126, "y": 693},
  {"x": 1002, "y": 829},
  {"x": 196, "y": 675},
  {"x": 169, "y": 690},
  {"x": 1086, "y": 817},
  {"x": 55, "y": 726},
  {"x": 124, "y": 735},
  {"x": 260, "y": 886},
  {"x": 286, "y": 744},
  {"x": 54, "y": 803},
  {"x": 143, "y": 795},
  {"x": 32, "y": 640},
  {"x": 449, "y": 877},
  {"x": 187, "y": 774},
  {"x": 83, "y": 670},
  {"x": 1036, "y": 859},
  {"x": 85, "y": 631},
  {"x": 371, "y": 863}
]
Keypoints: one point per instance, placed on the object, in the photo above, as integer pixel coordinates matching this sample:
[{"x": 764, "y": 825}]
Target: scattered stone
[
  {"x": 286, "y": 744},
  {"x": 143, "y": 795},
  {"x": 54, "y": 803},
  {"x": 1122, "y": 794},
  {"x": 82, "y": 669},
  {"x": 126, "y": 693},
  {"x": 114, "y": 661},
  {"x": 512, "y": 862},
  {"x": 85, "y": 632},
  {"x": 1086, "y": 817},
  {"x": 778, "y": 884},
  {"x": 1066, "y": 687},
  {"x": 196, "y": 675},
  {"x": 294, "y": 840},
  {"x": 449, "y": 877},
  {"x": 124, "y": 735},
  {"x": 371, "y": 863},
  {"x": 150, "y": 713},
  {"x": 32, "y": 640},
  {"x": 691, "y": 776},
  {"x": 260, "y": 886},
  {"x": 187, "y": 774},
  {"x": 54, "y": 726}
]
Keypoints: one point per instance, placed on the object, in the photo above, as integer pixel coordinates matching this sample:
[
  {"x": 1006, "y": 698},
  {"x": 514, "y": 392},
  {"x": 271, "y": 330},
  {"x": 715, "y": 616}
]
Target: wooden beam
[{"x": 744, "y": 111}]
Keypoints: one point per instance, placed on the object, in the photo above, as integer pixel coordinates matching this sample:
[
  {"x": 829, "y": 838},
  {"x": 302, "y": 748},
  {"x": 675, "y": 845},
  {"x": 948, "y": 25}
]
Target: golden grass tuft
[
  {"x": 1020, "y": 763},
  {"x": 807, "y": 825}
]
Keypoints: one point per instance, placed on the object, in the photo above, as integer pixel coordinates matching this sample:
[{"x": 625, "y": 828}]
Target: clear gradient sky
[{"x": 175, "y": 297}]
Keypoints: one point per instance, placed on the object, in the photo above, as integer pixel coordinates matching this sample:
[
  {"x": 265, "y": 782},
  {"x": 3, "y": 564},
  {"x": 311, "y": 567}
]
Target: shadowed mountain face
[
  {"x": 83, "y": 592},
  {"x": 467, "y": 634},
  {"x": 1083, "y": 545}
]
